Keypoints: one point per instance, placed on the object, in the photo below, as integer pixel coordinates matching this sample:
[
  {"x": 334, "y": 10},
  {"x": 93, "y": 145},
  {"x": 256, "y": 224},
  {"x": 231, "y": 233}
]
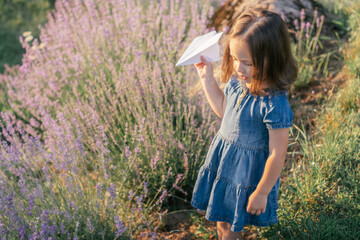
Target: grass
[{"x": 320, "y": 197}]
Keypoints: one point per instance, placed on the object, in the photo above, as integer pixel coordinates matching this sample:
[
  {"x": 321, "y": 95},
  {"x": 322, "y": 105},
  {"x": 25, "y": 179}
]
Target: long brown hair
[{"x": 268, "y": 39}]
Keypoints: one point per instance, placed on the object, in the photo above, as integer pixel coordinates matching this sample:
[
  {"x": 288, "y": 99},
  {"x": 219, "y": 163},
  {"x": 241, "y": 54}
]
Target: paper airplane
[{"x": 205, "y": 45}]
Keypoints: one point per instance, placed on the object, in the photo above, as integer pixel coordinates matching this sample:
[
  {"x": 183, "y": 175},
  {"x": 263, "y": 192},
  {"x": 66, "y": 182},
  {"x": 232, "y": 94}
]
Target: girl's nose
[{"x": 240, "y": 68}]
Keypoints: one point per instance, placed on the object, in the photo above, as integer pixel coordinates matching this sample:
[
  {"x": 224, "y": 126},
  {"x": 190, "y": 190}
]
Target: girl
[{"x": 238, "y": 183}]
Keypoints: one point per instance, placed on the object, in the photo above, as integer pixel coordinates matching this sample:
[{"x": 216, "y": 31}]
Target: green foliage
[
  {"x": 305, "y": 50},
  {"x": 353, "y": 52},
  {"x": 320, "y": 197},
  {"x": 16, "y": 17}
]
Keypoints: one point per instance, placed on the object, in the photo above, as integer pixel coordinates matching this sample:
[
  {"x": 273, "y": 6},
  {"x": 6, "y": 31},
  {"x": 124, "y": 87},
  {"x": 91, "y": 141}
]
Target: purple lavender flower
[
  {"x": 22, "y": 232},
  {"x": 139, "y": 200},
  {"x": 111, "y": 190},
  {"x": 178, "y": 178},
  {"x": 162, "y": 197},
  {"x": 137, "y": 150},
  {"x": 140, "y": 138},
  {"x": 62, "y": 228},
  {"x": 127, "y": 151},
  {"x": 153, "y": 236},
  {"x": 146, "y": 190},
  {"x": 296, "y": 23},
  {"x": 120, "y": 228},
  {"x": 168, "y": 174},
  {"x": 303, "y": 25},
  {"x": 69, "y": 185},
  {"x": 302, "y": 14},
  {"x": 90, "y": 226},
  {"x": 154, "y": 161},
  {"x": 31, "y": 203},
  {"x": 131, "y": 194},
  {"x": 34, "y": 123},
  {"x": 98, "y": 190},
  {"x": 3, "y": 230}
]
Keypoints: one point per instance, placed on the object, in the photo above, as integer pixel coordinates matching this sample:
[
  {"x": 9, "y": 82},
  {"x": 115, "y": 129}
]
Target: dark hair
[{"x": 268, "y": 39}]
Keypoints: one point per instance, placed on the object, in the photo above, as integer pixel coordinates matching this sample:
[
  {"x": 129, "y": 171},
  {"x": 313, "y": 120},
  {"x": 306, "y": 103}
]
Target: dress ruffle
[{"x": 232, "y": 186}]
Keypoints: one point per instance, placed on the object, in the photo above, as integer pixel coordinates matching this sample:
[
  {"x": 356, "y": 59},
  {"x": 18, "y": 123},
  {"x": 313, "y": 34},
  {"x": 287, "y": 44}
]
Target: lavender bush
[
  {"x": 305, "y": 49},
  {"x": 102, "y": 128}
]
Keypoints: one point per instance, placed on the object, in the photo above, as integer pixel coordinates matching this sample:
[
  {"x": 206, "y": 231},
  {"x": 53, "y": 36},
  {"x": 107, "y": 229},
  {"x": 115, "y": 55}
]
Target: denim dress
[{"x": 236, "y": 158}]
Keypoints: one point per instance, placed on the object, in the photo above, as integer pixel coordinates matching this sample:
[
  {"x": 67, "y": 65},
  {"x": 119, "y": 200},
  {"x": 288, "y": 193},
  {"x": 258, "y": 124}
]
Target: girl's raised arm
[{"x": 214, "y": 95}]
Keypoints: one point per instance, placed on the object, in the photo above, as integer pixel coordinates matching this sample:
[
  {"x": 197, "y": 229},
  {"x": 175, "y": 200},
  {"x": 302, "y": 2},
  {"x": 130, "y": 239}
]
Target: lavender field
[
  {"x": 102, "y": 136},
  {"x": 102, "y": 127}
]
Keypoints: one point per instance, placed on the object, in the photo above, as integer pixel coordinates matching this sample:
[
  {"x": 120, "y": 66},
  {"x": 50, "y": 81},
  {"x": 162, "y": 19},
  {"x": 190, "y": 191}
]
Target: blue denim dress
[{"x": 237, "y": 155}]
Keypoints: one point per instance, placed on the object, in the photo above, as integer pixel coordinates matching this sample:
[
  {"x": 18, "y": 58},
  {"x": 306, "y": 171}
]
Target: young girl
[{"x": 238, "y": 183}]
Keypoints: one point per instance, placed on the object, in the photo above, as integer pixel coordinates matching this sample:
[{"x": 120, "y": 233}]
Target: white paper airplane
[{"x": 205, "y": 45}]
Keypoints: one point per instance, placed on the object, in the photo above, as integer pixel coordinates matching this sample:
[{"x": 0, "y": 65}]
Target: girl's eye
[{"x": 245, "y": 63}]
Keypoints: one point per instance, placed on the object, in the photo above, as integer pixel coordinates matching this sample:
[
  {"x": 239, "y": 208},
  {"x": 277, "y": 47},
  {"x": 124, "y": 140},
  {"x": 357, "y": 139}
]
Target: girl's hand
[
  {"x": 257, "y": 203},
  {"x": 205, "y": 70}
]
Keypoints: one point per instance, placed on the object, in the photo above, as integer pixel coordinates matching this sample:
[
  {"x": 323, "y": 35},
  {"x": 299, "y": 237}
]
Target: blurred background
[{"x": 17, "y": 17}]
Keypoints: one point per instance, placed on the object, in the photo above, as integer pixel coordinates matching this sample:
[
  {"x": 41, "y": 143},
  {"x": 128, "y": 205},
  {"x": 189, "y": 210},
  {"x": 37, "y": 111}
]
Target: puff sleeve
[
  {"x": 231, "y": 86},
  {"x": 278, "y": 113}
]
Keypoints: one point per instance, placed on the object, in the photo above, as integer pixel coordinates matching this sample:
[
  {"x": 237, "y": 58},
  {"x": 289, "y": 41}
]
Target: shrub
[
  {"x": 305, "y": 49},
  {"x": 113, "y": 129}
]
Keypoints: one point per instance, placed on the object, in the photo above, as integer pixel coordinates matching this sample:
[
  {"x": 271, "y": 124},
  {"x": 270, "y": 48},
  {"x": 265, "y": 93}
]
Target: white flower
[
  {"x": 27, "y": 33},
  {"x": 29, "y": 38}
]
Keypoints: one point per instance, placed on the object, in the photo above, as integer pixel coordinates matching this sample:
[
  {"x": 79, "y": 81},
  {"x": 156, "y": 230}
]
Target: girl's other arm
[
  {"x": 213, "y": 93},
  {"x": 278, "y": 142}
]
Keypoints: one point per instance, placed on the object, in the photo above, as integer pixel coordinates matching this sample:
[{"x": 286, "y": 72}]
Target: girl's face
[{"x": 242, "y": 63}]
